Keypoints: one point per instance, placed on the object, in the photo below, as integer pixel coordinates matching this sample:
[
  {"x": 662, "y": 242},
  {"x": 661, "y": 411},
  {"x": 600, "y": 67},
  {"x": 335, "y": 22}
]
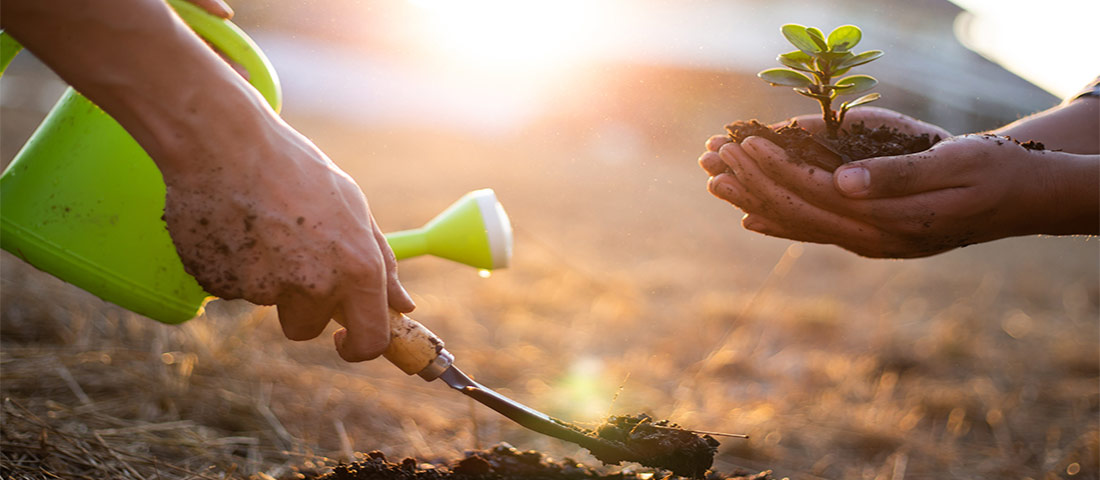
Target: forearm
[
  {"x": 1072, "y": 127},
  {"x": 140, "y": 63}
]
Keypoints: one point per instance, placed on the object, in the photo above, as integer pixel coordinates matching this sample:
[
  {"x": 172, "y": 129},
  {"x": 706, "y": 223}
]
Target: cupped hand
[
  {"x": 964, "y": 190},
  {"x": 274, "y": 221}
]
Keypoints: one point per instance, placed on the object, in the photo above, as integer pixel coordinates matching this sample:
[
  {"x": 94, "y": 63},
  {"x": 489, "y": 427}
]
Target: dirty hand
[
  {"x": 964, "y": 190},
  {"x": 256, "y": 211},
  {"x": 285, "y": 226},
  {"x": 274, "y": 221}
]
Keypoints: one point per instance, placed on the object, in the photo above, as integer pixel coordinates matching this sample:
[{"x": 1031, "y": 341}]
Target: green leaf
[
  {"x": 818, "y": 38},
  {"x": 870, "y": 97},
  {"x": 785, "y": 77},
  {"x": 857, "y": 60},
  {"x": 843, "y": 38},
  {"x": 797, "y": 60},
  {"x": 798, "y": 36},
  {"x": 855, "y": 84}
]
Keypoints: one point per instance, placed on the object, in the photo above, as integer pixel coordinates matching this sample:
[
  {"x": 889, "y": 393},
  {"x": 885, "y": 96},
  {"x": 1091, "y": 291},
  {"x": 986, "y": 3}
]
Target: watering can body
[{"x": 83, "y": 201}]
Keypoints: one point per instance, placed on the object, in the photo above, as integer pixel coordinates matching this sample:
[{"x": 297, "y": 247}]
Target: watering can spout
[{"x": 474, "y": 231}]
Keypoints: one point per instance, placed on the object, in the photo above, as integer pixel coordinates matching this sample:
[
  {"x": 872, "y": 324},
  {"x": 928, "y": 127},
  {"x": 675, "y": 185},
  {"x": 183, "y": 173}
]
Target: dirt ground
[{"x": 632, "y": 290}]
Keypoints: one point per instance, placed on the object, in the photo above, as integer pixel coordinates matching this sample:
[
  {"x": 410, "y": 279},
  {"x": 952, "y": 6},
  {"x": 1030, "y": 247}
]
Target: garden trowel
[{"x": 418, "y": 351}]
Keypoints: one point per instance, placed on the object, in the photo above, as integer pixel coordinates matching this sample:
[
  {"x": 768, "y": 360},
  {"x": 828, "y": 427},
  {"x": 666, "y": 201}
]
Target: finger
[
  {"x": 398, "y": 298},
  {"x": 810, "y": 182},
  {"x": 865, "y": 242},
  {"x": 712, "y": 163},
  {"x": 804, "y": 226},
  {"x": 303, "y": 317},
  {"x": 366, "y": 319},
  {"x": 744, "y": 168},
  {"x": 716, "y": 141},
  {"x": 767, "y": 226},
  {"x": 728, "y": 188},
  {"x": 218, "y": 8},
  {"x": 903, "y": 175}
]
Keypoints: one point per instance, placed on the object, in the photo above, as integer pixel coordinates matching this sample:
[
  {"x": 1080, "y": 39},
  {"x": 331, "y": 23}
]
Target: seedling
[{"x": 824, "y": 58}]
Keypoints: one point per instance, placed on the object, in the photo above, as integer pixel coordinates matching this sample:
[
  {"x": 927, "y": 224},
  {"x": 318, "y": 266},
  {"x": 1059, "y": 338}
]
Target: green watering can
[{"x": 84, "y": 202}]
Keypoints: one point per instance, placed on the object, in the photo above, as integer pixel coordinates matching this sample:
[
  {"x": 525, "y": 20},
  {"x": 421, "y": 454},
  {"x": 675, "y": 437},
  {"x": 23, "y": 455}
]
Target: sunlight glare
[
  {"x": 1045, "y": 43},
  {"x": 512, "y": 33},
  {"x": 583, "y": 389}
]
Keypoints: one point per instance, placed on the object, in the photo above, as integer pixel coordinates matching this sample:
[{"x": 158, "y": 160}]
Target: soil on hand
[
  {"x": 501, "y": 462},
  {"x": 856, "y": 142}
]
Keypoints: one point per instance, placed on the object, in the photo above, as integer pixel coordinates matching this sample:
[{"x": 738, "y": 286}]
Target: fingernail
[
  {"x": 853, "y": 180},
  {"x": 227, "y": 11}
]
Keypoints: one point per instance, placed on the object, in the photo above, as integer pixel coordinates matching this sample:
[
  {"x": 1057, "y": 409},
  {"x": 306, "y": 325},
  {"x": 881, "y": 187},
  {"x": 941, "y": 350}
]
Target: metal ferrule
[{"x": 441, "y": 363}]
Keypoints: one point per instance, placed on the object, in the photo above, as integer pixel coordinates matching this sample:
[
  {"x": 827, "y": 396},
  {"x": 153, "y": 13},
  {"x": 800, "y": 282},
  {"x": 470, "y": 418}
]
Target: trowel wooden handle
[{"x": 413, "y": 348}]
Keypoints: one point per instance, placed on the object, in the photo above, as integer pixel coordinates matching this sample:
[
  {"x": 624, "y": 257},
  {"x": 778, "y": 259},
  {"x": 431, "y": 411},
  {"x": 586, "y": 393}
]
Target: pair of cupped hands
[{"x": 965, "y": 189}]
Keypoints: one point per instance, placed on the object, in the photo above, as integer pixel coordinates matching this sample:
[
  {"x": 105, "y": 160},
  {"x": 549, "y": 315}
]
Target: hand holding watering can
[{"x": 255, "y": 210}]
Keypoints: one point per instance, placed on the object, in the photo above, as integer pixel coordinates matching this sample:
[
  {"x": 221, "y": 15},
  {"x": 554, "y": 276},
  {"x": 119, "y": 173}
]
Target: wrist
[
  {"x": 196, "y": 127},
  {"x": 1071, "y": 194},
  {"x": 1070, "y": 127},
  {"x": 186, "y": 106}
]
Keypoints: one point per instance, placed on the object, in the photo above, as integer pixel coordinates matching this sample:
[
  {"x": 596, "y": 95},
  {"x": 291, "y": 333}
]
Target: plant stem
[
  {"x": 825, "y": 98},
  {"x": 832, "y": 126}
]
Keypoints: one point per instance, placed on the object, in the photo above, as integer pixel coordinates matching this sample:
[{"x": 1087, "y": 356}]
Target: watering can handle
[
  {"x": 8, "y": 48},
  {"x": 235, "y": 44},
  {"x": 413, "y": 348}
]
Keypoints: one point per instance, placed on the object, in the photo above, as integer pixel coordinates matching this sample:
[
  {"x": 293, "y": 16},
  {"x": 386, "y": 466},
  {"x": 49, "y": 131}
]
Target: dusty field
[{"x": 632, "y": 290}]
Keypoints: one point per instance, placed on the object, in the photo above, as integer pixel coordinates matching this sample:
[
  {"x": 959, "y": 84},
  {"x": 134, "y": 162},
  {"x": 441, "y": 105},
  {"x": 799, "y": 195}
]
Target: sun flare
[{"x": 510, "y": 34}]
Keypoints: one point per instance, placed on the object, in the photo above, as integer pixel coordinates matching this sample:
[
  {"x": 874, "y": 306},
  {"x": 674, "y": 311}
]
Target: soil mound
[
  {"x": 501, "y": 462},
  {"x": 856, "y": 142}
]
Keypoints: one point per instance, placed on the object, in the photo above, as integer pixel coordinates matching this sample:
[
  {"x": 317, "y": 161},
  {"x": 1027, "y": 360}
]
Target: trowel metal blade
[{"x": 528, "y": 417}]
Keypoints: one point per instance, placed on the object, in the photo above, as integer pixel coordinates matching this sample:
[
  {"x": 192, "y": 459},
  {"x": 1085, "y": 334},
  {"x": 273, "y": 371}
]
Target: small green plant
[{"x": 824, "y": 58}]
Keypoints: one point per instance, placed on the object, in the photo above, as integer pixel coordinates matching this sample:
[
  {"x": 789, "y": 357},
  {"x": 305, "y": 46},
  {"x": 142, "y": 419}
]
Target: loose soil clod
[
  {"x": 502, "y": 462},
  {"x": 660, "y": 444},
  {"x": 856, "y": 142}
]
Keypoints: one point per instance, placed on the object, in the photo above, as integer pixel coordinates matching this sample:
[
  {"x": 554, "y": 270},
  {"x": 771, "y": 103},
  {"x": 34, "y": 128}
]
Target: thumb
[{"x": 898, "y": 176}]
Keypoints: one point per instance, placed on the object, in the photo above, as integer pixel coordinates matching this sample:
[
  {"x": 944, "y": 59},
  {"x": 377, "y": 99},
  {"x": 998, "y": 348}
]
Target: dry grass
[{"x": 629, "y": 283}]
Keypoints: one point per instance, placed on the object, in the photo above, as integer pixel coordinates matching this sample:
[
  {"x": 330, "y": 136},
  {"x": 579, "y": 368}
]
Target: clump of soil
[
  {"x": 856, "y": 142},
  {"x": 659, "y": 444},
  {"x": 1028, "y": 145},
  {"x": 502, "y": 462}
]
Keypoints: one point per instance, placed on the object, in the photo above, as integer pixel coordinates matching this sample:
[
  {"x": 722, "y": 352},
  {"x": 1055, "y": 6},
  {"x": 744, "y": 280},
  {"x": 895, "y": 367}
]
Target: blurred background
[{"x": 632, "y": 290}]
